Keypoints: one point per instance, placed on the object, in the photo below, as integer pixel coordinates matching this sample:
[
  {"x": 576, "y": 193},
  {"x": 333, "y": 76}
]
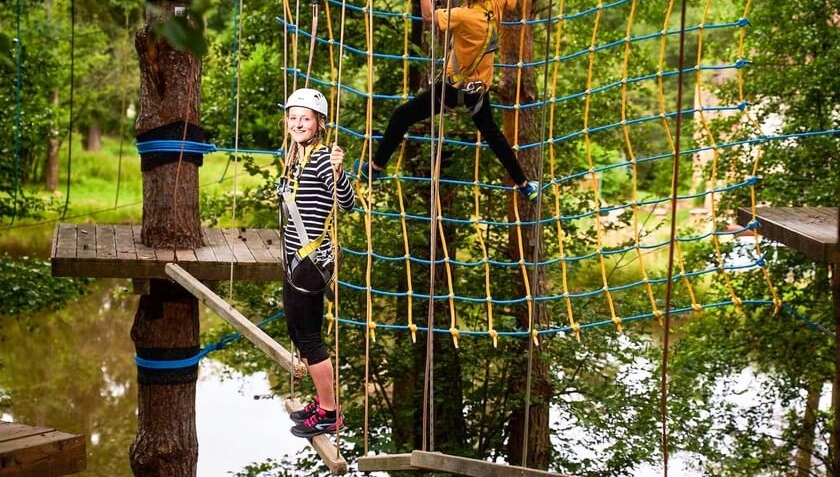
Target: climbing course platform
[
  {"x": 28, "y": 451},
  {"x": 811, "y": 230},
  {"x": 116, "y": 251}
]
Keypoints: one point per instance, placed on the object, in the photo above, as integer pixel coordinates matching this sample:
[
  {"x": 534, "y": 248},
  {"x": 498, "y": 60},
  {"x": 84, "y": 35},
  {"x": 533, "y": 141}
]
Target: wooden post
[
  {"x": 166, "y": 324},
  {"x": 835, "y": 395}
]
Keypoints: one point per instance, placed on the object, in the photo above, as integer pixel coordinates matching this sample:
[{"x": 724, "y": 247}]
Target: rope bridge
[{"x": 621, "y": 222}]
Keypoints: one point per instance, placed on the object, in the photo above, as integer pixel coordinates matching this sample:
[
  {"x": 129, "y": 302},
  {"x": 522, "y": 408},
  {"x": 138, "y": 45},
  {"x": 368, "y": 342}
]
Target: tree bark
[
  {"x": 93, "y": 137},
  {"x": 509, "y": 85},
  {"x": 166, "y": 324},
  {"x": 805, "y": 445},
  {"x": 170, "y": 87}
]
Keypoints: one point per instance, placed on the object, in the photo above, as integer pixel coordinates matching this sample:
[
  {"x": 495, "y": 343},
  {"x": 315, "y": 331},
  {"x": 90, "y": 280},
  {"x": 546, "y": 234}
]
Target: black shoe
[
  {"x": 318, "y": 424},
  {"x": 299, "y": 416}
]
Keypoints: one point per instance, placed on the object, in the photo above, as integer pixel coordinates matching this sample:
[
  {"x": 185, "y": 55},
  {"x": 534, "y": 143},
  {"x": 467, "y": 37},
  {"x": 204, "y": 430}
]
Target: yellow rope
[
  {"x": 599, "y": 232},
  {"x": 553, "y": 168},
  {"x": 371, "y": 326}
]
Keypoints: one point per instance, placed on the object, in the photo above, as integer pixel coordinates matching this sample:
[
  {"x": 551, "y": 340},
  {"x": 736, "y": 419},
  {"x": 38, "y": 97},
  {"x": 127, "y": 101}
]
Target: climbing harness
[
  {"x": 456, "y": 79},
  {"x": 300, "y": 266}
]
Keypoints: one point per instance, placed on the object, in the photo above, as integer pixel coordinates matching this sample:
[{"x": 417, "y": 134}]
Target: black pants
[
  {"x": 304, "y": 318},
  {"x": 420, "y": 108}
]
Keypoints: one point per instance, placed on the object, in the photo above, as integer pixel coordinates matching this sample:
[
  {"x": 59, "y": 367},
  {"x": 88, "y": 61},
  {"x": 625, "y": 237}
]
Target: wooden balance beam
[
  {"x": 435, "y": 461},
  {"x": 321, "y": 443},
  {"x": 27, "y": 451}
]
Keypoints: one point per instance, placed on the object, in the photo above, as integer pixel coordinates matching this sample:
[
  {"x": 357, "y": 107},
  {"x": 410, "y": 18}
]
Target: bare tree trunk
[
  {"x": 166, "y": 324},
  {"x": 805, "y": 446},
  {"x": 532, "y": 239},
  {"x": 93, "y": 137}
]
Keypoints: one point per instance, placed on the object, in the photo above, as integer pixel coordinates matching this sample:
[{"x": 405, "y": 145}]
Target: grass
[{"x": 106, "y": 186}]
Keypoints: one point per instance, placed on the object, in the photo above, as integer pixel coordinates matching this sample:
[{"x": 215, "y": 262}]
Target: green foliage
[{"x": 26, "y": 285}]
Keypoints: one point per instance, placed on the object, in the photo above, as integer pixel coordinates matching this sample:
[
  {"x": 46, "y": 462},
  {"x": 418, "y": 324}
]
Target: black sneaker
[
  {"x": 318, "y": 423},
  {"x": 299, "y": 416}
]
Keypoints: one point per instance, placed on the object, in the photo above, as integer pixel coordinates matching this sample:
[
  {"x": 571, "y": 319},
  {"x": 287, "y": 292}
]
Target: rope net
[{"x": 603, "y": 221}]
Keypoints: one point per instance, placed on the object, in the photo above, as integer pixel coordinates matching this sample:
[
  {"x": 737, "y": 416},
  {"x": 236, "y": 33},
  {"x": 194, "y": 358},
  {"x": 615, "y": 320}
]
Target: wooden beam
[
  {"x": 322, "y": 444},
  {"x": 27, "y": 451},
  {"x": 471, "y": 467},
  {"x": 249, "y": 330},
  {"x": 385, "y": 463},
  {"x": 811, "y": 230}
]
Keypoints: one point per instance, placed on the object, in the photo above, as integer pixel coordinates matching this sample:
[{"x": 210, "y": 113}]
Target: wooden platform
[
  {"x": 811, "y": 230},
  {"x": 27, "y": 451},
  {"x": 435, "y": 461},
  {"x": 115, "y": 251}
]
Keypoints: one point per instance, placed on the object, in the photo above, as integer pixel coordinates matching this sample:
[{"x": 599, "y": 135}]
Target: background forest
[{"x": 70, "y": 78}]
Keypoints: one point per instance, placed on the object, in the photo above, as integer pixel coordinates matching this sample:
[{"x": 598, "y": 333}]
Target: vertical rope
[
  {"x": 671, "y": 249},
  {"x": 72, "y": 94},
  {"x": 237, "y": 102},
  {"x": 556, "y": 208},
  {"x": 631, "y": 153},
  {"x": 334, "y": 230},
  {"x": 18, "y": 99},
  {"x": 123, "y": 74},
  {"x": 370, "y": 325},
  {"x": 537, "y": 240},
  {"x": 234, "y": 79}
]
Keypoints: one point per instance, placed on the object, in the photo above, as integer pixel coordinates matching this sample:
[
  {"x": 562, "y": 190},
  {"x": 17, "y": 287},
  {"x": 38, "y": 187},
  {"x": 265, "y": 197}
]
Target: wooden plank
[
  {"x": 124, "y": 240},
  {"x": 205, "y": 252},
  {"x": 13, "y": 430},
  {"x": 385, "y": 463},
  {"x": 253, "y": 240},
  {"x": 249, "y": 330},
  {"x": 86, "y": 241},
  {"x": 237, "y": 246},
  {"x": 810, "y": 230},
  {"x": 106, "y": 245},
  {"x": 216, "y": 241},
  {"x": 322, "y": 444},
  {"x": 273, "y": 242},
  {"x": 472, "y": 467},
  {"x": 65, "y": 242},
  {"x": 143, "y": 252},
  {"x": 39, "y": 452}
]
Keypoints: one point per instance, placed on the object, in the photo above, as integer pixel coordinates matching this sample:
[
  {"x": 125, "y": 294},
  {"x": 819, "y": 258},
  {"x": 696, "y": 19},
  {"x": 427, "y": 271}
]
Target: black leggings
[
  {"x": 304, "y": 318},
  {"x": 420, "y": 108}
]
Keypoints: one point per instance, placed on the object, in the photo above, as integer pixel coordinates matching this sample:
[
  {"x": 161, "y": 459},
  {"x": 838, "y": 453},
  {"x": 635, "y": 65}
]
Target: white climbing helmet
[{"x": 308, "y": 98}]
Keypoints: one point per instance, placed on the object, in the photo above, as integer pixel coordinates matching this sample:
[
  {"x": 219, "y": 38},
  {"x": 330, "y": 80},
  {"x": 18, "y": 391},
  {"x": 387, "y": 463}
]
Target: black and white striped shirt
[{"x": 314, "y": 199}]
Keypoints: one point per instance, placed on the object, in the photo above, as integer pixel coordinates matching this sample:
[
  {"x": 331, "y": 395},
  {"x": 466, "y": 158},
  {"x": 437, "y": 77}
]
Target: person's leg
[
  {"x": 304, "y": 318},
  {"x": 322, "y": 376},
  {"x": 490, "y": 132},
  {"x": 403, "y": 117}
]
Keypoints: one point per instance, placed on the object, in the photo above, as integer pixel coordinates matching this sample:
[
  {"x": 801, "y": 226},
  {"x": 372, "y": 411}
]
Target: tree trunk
[
  {"x": 93, "y": 137},
  {"x": 166, "y": 323},
  {"x": 805, "y": 445},
  {"x": 540, "y": 386}
]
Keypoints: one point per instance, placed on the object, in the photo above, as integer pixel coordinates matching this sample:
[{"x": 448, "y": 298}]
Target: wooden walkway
[
  {"x": 811, "y": 230},
  {"x": 115, "y": 251},
  {"x": 27, "y": 451}
]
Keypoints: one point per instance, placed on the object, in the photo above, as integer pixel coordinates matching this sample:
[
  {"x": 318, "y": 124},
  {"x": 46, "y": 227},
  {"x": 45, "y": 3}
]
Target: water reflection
[{"x": 73, "y": 370}]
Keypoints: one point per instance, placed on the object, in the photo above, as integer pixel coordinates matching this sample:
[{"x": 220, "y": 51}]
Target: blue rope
[
  {"x": 223, "y": 342},
  {"x": 192, "y": 361}
]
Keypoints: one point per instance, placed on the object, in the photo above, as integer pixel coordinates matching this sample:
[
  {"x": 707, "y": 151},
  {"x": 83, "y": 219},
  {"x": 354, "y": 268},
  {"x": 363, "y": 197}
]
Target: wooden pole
[{"x": 166, "y": 326}]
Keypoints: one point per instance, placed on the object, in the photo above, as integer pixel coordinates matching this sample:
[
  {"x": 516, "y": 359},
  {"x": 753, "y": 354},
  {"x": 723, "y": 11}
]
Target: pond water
[{"x": 73, "y": 370}]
